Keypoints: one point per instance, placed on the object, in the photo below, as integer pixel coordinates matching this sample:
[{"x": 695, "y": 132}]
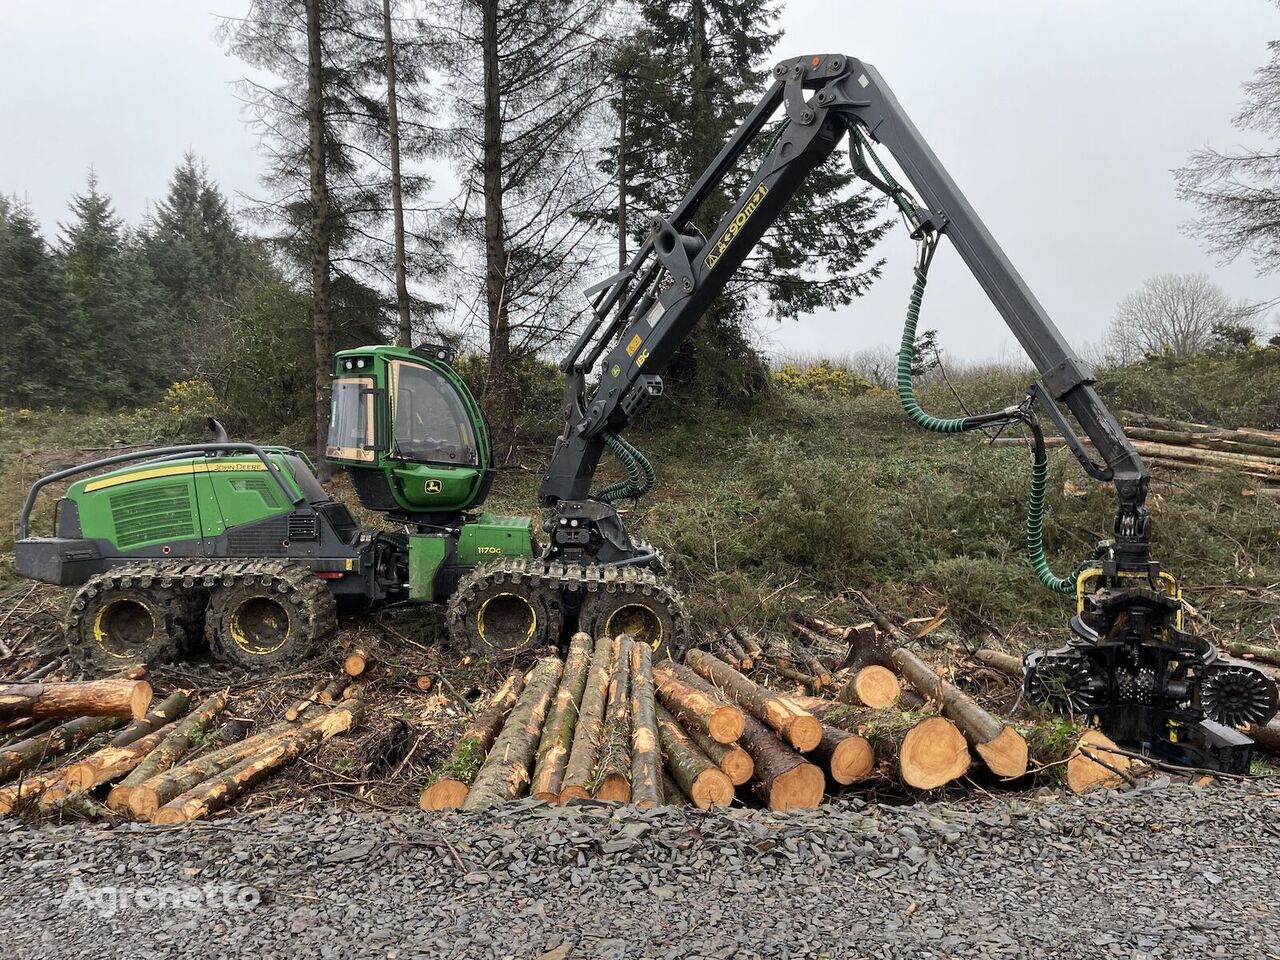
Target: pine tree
[
  {"x": 693, "y": 71},
  {"x": 41, "y": 361}
]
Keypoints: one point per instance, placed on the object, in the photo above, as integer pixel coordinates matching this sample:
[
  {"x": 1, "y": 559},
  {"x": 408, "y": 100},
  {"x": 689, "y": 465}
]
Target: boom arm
[{"x": 646, "y": 311}]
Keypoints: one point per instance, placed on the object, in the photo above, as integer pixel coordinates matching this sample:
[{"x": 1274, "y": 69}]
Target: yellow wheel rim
[
  {"x": 509, "y": 605},
  {"x": 259, "y": 626}
]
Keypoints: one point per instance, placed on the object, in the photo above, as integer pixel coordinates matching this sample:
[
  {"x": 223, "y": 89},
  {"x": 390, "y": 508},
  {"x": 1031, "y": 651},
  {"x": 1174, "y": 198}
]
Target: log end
[
  {"x": 79, "y": 776},
  {"x": 444, "y": 794},
  {"x": 852, "y": 760},
  {"x": 170, "y": 816},
  {"x": 933, "y": 753},
  {"x": 574, "y": 792},
  {"x": 711, "y": 788},
  {"x": 1084, "y": 773},
  {"x": 355, "y": 663},
  {"x": 873, "y": 686},
  {"x": 738, "y": 766},
  {"x": 1006, "y": 754},
  {"x": 143, "y": 802},
  {"x": 725, "y": 724},
  {"x": 140, "y": 699},
  {"x": 800, "y": 788},
  {"x": 118, "y": 799},
  {"x": 614, "y": 787},
  {"x": 804, "y": 732},
  {"x": 547, "y": 796}
]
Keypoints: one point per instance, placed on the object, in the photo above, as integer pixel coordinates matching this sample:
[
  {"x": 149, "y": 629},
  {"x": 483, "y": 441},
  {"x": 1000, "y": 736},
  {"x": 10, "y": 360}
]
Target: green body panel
[
  {"x": 414, "y": 481},
  {"x": 493, "y": 536},
  {"x": 426, "y": 554},
  {"x": 171, "y": 501}
]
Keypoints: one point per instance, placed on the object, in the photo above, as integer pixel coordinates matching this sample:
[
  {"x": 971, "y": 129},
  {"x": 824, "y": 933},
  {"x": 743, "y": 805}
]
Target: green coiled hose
[
  {"x": 906, "y": 358},
  {"x": 641, "y": 474}
]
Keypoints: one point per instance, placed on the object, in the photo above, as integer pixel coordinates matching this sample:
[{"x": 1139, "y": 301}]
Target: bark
[
  {"x": 672, "y": 795},
  {"x": 699, "y": 778},
  {"x": 501, "y": 401},
  {"x": 1267, "y": 737},
  {"x": 356, "y": 662},
  {"x": 613, "y": 778},
  {"x": 750, "y": 645},
  {"x": 90, "y": 698},
  {"x": 320, "y": 232},
  {"x": 646, "y": 759},
  {"x": 741, "y": 659},
  {"x": 729, "y": 757},
  {"x": 999, "y": 745},
  {"x": 586, "y": 738},
  {"x": 1005, "y": 663},
  {"x": 405, "y": 329},
  {"x": 808, "y": 681},
  {"x": 166, "y": 711},
  {"x": 557, "y": 735},
  {"x": 784, "y": 779},
  {"x": 695, "y": 704},
  {"x": 33, "y": 751},
  {"x": 872, "y": 686},
  {"x": 142, "y": 801},
  {"x": 797, "y": 727},
  {"x": 224, "y": 788},
  {"x": 170, "y": 750},
  {"x": 332, "y": 691},
  {"x": 504, "y": 775},
  {"x": 299, "y": 707},
  {"x": 450, "y": 783},
  {"x": 846, "y": 757}
]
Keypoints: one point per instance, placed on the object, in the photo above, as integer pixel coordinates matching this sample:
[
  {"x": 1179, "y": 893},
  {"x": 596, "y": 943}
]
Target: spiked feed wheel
[{"x": 1235, "y": 694}]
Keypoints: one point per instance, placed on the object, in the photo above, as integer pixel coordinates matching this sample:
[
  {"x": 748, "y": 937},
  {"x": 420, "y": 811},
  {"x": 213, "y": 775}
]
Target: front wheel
[
  {"x": 263, "y": 622},
  {"x": 635, "y": 601}
]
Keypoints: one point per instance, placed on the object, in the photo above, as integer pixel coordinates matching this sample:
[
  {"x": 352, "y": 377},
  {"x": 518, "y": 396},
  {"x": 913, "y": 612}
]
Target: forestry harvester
[{"x": 239, "y": 542}]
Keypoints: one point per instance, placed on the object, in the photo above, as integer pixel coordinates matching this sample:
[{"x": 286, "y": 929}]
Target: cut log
[
  {"x": 356, "y": 663},
  {"x": 332, "y": 691},
  {"x": 587, "y": 736},
  {"x": 1000, "y": 746},
  {"x": 699, "y": 778},
  {"x": 646, "y": 757},
  {"x": 1005, "y": 663},
  {"x": 742, "y": 659},
  {"x": 425, "y": 682},
  {"x": 926, "y": 753},
  {"x": 613, "y": 778},
  {"x": 872, "y": 686},
  {"x": 695, "y": 703},
  {"x": 142, "y": 801},
  {"x": 299, "y": 707},
  {"x": 798, "y": 728},
  {"x": 224, "y": 788},
  {"x": 450, "y": 783},
  {"x": 749, "y": 644},
  {"x": 557, "y": 734},
  {"x": 90, "y": 698},
  {"x": 1252, "y": 651},
  {"x": 1091, "y": 765},
  {"x": 111, "y": 763},
  {"x": 1267, "y": 737},
  {"x": 166, "y": 711},
  {"x": 729, "y": 757},
  {"x": 504, "y": 775},
  {"x": 171, "y": 749},
  {"x": 672, "y": 795},
  {"x": 806, "y": 680},
  {"x": 784, "y": 780},
  {"x": 29, "y": 753},
  {"x": 846, "y": 757}
]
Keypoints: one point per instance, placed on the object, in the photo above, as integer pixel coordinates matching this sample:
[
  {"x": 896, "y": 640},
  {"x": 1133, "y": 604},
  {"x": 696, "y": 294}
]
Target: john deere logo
[{"x": 432, "y": 486}]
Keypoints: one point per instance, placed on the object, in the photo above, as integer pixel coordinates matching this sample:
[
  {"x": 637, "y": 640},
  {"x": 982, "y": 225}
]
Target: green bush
[{"x": 822, "y": 379}]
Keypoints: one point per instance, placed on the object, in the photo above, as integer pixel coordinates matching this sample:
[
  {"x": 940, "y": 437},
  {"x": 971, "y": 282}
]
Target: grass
[{"x": 805, "y": 497}]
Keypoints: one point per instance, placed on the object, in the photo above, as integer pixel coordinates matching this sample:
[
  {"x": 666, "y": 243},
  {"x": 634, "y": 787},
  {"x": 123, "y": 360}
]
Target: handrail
[{"x": 155, "y": 453}]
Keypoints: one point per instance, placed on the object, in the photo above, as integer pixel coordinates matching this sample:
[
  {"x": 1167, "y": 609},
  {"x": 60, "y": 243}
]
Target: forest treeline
[{"x": 461, "y": 169}]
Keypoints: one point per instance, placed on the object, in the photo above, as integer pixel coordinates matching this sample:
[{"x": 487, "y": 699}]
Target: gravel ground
[{"x": 1165, "y": 871}]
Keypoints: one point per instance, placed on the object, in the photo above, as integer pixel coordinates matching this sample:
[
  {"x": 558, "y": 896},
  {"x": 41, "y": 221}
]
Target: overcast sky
[{"x": 1061, "y": 122}]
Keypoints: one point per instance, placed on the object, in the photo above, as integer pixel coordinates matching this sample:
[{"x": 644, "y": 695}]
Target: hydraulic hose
[{"x": 641, "y": 475}]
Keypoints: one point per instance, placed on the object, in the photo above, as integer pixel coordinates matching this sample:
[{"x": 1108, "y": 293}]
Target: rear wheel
[
  {"x": 112, "y": 625},
  {"x": 267, "y": 621},
  {"x": 635, "y": 601}
]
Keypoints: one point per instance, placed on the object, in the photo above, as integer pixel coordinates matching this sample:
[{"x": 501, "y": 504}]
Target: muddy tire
[
  {"x": 504, "y": 609},
  {"x": 269, "y": 621},
  {"x": 114, "y": 624},
  {"x": 637, "y": 601}
]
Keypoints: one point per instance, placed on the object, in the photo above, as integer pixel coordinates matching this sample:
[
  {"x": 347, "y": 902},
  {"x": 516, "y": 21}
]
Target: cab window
[
  {"x": 351, "y": 420},
  {"x": 431, "y": 422}
]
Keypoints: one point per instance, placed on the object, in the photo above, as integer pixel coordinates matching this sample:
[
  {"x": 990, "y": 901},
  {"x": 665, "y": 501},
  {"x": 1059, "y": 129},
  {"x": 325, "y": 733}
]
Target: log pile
[{"x": 121, "y": 755}]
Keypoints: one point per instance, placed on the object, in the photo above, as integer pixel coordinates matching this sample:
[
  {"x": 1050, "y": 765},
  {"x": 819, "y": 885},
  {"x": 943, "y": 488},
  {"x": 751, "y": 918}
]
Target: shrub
[{"x": 822, "y": 379}]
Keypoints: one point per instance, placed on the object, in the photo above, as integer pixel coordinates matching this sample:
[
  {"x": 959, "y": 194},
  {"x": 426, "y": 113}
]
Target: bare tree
[
  {"x": 405, "y": 331},
  {"x": 528, "y": 80},
  {"x": 1238, "y": 191},
  {"x": 1173, "y": 315}
]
